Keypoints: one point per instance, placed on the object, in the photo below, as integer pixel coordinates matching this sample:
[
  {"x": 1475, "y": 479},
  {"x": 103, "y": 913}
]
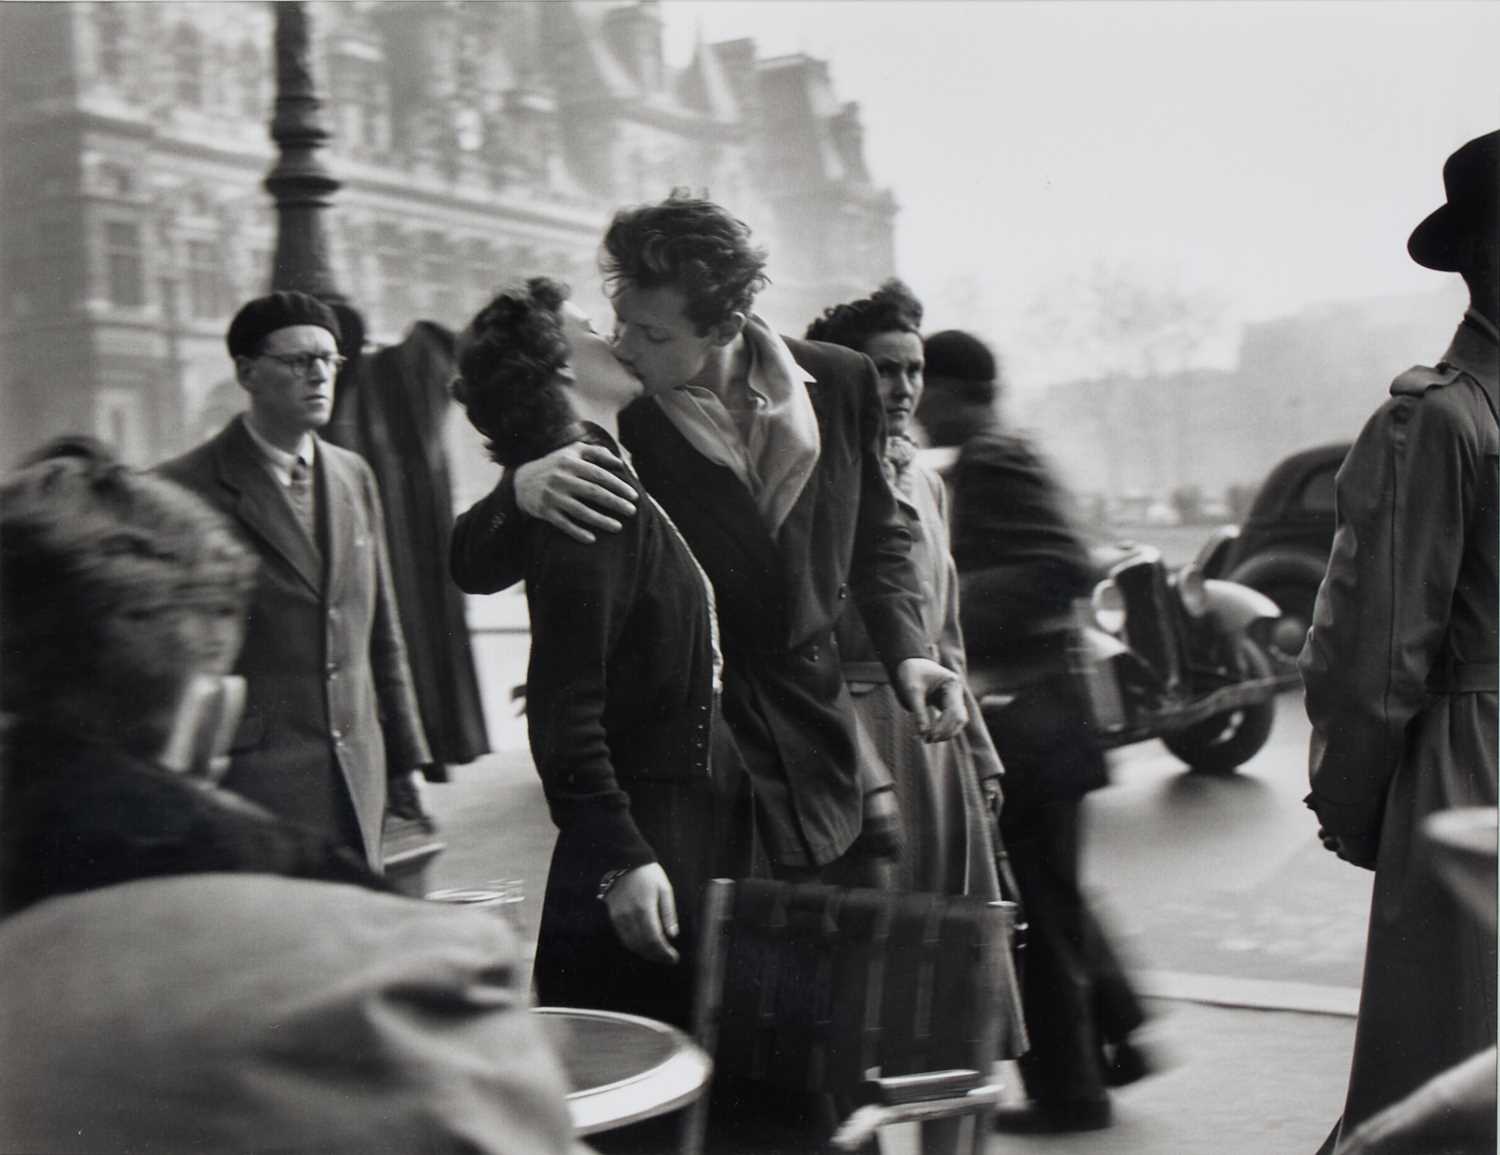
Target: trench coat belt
[{"x": 1465, "y": 678}]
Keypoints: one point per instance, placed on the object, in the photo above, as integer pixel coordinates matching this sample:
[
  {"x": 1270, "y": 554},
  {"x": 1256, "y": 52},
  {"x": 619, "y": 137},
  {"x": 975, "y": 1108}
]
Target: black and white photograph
[{"x": 749, "y": 577}]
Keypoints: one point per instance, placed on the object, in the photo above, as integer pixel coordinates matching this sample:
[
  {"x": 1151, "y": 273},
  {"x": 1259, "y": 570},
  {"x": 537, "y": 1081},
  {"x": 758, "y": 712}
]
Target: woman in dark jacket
[
  {"x": 124, "y": 597},
  {"x": 622, "y": 681}
]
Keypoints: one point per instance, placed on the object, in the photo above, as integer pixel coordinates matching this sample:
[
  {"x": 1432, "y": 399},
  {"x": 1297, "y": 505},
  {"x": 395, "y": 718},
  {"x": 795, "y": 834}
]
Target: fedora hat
[{"x": 1455, "y": 237}]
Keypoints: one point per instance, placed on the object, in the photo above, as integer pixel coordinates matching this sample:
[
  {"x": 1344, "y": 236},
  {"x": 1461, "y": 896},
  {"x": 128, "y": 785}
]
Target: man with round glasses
[{"x": 328, "y": 686}]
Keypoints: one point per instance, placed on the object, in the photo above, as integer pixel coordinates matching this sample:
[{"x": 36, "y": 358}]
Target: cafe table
[{"x": 623, "y": 1068}]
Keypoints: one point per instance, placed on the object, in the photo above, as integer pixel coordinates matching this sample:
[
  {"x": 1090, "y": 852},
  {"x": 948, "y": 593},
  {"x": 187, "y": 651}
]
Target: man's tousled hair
[{"x": 689, "y": 244}]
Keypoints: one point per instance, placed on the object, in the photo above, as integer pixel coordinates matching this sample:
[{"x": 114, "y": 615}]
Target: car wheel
[
  {"x": 1225, "y": 742},
  {"x": 1295, "y": 600}
]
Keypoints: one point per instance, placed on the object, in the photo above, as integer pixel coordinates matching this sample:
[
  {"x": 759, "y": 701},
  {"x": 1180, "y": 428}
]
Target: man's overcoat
[
  {"x": 1400, "y": 668},
  {"x": 324, "y": 662}
]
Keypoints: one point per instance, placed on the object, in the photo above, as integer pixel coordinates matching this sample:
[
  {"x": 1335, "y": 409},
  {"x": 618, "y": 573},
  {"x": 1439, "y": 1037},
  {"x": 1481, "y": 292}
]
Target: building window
[
  {"x": 187, "y": 65},
  {"x": 122, "y": 252},
  {"x": 205, "y": 281},
  {"x": 109, "y": 35}
]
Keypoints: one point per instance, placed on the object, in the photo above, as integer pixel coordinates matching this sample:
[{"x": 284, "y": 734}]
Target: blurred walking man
[
  {"x": 324, "y": 661},
  {"x": 1401, "y": 664},
  {"x": 1020, "y": 567}
]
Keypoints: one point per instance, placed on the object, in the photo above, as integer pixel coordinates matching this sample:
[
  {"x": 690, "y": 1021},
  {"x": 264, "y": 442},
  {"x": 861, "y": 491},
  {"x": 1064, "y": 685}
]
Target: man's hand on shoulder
[
  {"x": 573, "y": 489},
  {"x": 935, "y": 694}
]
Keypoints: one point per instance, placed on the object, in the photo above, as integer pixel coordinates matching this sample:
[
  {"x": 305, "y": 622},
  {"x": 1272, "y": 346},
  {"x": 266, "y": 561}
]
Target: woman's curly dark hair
[
  {"x": 115, "y": 586},
  {"x": 691, "y": 245},
  {"x": 508, "y": 361},
  {"x": 891, "y": 308}
]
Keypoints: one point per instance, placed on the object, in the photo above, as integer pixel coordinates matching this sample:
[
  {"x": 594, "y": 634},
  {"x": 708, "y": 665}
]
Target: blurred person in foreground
[
  {"x": 168, "y": 990},
  {"x": 767, "y": 454},
  {"x": 224, "y": 1013},
  {"x": 329, "y": 691},
  {"x": 122, "y": 599},
  {"x": 1021, "y": 564},
  {"x": 946, "y": 791},
  {"x": 1400, "y": 664},
  {"x": 622, "y": 684}
]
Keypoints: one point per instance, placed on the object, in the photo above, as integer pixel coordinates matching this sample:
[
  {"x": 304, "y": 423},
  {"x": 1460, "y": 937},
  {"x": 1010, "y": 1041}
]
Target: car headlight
[
  {"x": 1109, "y": 607},
  {"x": 1192, "y": 590}
]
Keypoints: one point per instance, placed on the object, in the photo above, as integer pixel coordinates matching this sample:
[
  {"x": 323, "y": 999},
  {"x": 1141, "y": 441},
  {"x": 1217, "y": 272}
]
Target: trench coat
[
  {"x": 949, "y": 846},
  {"x": 1400, "y": 668},
  {"x": 778, "y": 598},
  {"x": 392, "y": 410},
  {"x": 219, "y": 1014},
  {"x": 327, "y": 688}
]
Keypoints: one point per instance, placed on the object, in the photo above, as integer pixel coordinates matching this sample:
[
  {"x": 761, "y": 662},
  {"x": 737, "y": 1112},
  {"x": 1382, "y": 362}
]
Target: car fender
[
  {"x": 1281, "y": 565},
  {"x": 1237, "y": 606},
  {"x": 1215, "y": 551}
]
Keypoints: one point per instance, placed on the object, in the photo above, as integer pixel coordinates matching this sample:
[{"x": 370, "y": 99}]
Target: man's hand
[
  {"x": 572, "y": 489},
  {"x": 644, "y": 912},
  {"x": 1355, "y": 851},
  {"x": 935, "y": 694}
]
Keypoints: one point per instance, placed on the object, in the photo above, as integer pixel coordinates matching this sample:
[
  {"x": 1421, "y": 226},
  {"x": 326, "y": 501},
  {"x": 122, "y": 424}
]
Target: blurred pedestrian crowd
[{"x": 769, "y": 639}]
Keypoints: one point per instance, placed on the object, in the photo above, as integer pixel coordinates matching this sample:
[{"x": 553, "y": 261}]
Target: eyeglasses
[{"x": 302, "y": 363}]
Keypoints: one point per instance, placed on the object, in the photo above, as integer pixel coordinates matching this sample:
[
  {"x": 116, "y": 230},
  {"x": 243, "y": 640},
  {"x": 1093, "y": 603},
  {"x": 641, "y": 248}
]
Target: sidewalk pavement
[{"x": 1241, "y": 1077}]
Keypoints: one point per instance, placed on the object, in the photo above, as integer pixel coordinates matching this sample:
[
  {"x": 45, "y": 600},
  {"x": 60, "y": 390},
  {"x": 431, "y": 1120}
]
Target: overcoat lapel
[
  {"x": 797, "y": 528},
  {"x": 261, "y": 508},
  {"x": 720, "y": 496}
]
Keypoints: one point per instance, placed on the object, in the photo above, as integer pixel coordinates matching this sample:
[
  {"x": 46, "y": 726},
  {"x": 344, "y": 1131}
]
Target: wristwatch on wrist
[{"x": 607, "y": 882}]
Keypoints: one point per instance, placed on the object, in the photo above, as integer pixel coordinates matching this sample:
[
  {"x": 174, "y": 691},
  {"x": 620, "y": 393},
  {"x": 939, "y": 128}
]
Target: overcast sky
[{"x": 1261, "y": 155}]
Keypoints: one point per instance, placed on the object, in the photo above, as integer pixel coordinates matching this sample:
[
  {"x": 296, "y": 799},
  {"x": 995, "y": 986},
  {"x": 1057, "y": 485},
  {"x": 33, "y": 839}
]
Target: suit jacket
[
  {"x": 778, "y": 598},
  {"x": 219, "y": 1014},
  {"x": 324, "y": 662}
]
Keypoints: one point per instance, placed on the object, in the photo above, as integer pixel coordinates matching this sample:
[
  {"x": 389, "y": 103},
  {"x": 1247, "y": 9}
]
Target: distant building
[
  {"x": 475, "y": 141},
  {"x": 1301, "y": 380}
]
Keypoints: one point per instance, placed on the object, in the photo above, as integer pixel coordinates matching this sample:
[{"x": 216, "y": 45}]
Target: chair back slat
[{"x": 821, "y": 985}]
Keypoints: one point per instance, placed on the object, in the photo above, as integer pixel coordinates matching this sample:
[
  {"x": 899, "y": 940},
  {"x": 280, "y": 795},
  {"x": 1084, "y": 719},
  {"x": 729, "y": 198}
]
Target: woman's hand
[
  {"x": 571, "y": 488},
  {"x": 643, "y": 910}
]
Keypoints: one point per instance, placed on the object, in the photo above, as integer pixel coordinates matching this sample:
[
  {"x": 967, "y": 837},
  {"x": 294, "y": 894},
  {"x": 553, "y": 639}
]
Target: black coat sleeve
[
  {"x": 883, "y": 577},
  {"x": 486, "y": 552},
  {"x": 579, "y": 595}
]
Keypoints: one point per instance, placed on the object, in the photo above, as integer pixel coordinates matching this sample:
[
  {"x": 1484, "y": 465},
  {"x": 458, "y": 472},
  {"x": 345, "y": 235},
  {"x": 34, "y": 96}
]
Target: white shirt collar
[{"x": 278, "y": 459}]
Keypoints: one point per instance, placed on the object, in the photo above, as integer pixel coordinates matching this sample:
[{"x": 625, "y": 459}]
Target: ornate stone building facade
[{"x": 475, "y": 141}]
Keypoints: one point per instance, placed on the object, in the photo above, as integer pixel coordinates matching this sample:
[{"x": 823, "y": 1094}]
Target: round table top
[{"x": 623, "y": 1068}]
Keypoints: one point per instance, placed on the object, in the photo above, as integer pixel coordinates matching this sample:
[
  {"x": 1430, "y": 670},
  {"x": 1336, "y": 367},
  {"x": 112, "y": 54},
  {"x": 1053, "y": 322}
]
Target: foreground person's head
[
  {"x": 886, "y": 326},
  {"x": 529, "y": 362},
  {"x": 683, "y": 276},
  {"x": 117, "y": 589}
]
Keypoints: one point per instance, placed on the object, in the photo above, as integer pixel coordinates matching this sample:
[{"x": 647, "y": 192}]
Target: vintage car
[
  {"x": 1281, "y": 548},
  {"x": 1175, "y": 655}
]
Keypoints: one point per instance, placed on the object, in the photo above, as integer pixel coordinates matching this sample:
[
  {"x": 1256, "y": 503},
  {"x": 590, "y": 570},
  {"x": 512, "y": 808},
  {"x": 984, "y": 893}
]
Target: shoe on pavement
[
  {"x": 1126, "y": 1062},
  {"x": 1054, "y": 1118}
]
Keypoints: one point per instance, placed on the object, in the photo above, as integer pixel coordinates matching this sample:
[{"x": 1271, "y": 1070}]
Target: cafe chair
[{"x": 897, "y": 1005}]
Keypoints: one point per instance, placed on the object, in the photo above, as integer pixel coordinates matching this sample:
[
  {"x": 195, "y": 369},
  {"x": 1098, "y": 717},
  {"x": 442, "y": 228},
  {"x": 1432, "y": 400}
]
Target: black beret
[
  {"x": 264, "y": 315},
  {"x": 954, "y": 353}
]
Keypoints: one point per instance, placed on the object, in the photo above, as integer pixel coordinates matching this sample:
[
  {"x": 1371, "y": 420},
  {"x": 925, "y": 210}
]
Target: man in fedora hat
[{"x": 1400, "y": 664}]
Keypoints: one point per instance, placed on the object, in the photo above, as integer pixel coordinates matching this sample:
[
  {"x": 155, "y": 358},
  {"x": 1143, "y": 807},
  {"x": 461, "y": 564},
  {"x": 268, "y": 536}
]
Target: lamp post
[{"x": 300, "y": 183}]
